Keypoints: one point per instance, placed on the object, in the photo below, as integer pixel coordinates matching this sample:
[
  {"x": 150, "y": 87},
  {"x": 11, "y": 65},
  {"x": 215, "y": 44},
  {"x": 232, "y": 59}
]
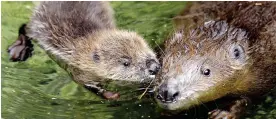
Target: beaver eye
[
  {"x": 126, "y": 64},
  {"x": 126, "y": 61},
  {"x": 206, "y": 72}
]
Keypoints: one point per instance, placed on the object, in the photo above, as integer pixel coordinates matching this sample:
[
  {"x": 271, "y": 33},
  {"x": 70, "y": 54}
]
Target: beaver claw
[
  {"x": 21, "y": 49},
  {"x": 221, "y": 114}
]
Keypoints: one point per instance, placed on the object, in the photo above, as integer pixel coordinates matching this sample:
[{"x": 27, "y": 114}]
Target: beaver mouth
[
  {"x": 147, "y": 79},
  {"x": 169, "y": 105},
  {"x": 175, "y": 105},
  {"x": 177, "y": 100},
  {"x": 152, "y": 76}
]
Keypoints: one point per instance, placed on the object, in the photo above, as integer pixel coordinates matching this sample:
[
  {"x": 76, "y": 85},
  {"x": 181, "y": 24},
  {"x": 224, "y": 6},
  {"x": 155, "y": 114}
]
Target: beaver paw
[
  {"x": 221, "y": 114},
  {"x": 236, "y": 109},
  {"x": 21, "y": 49},
  {"x": 110, "y": 95},
  {"x": 100, "y": 91}
]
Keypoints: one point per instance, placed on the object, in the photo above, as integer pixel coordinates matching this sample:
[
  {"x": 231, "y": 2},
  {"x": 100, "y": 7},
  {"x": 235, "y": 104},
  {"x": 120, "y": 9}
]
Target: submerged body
[
  {"x": 83, "y": 39},
  {"x": 220, "y": 49}
]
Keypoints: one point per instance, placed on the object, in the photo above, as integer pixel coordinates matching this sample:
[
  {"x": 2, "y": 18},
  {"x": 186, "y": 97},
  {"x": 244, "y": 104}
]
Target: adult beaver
[
  {"x": 83, "y": 39},
  {"x": 220, "y": 49}
]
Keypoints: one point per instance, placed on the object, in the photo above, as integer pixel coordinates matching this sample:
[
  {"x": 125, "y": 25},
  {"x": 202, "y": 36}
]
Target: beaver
[
  {"x": 219, "y": 50},
  {"x": 83, "y": 39}
]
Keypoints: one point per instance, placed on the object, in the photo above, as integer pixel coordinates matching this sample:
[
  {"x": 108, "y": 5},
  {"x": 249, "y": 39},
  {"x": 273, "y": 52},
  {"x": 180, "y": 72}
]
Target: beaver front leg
[
  {"x": 234, "y": 111},
  {"x": 102, "y": 92},
  {"x": 22, "y": 48}
]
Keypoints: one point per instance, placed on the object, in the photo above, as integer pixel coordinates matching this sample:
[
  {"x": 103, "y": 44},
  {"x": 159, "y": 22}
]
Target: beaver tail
[{"x": 56, "y": 25}]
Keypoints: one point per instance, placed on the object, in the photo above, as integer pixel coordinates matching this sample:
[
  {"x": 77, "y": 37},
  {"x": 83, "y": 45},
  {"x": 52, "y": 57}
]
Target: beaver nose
[
  {"x": 167, "y": 96},
  {"x": 153, "y": 66}
]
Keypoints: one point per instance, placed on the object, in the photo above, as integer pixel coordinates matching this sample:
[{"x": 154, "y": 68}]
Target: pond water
[{"x": 38, "y": 88}]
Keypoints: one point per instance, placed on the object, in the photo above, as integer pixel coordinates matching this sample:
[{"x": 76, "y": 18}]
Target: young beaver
[
  {"x": 82, "y": 38},
  {"x": 232, "y": 53}
]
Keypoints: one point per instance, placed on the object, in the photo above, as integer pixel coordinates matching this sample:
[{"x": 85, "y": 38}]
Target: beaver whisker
[
  {"x": 140, "y": 97},
  {"x": 162, "y": 51},
  {"x": 200, "y": 103}
]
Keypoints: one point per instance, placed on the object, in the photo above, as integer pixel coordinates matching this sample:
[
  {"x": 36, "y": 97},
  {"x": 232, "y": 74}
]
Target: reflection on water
[
  {"x": 39, "y": 89},
  {"x": 36, "y": 95}
]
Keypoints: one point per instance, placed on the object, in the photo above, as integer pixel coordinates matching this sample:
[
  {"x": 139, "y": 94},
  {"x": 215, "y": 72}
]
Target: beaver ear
[
  {"x": 237, "y": 52},
  {"x": 96, "y": 56},
  {"x": 237, "y": 55}
]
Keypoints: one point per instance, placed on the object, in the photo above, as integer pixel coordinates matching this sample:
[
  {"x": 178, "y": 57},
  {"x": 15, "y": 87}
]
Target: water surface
[{"x": 38, "y": 88}]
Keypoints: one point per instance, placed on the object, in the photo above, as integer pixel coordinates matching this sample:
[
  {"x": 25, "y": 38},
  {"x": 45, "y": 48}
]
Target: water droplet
[{"x": 140, "y": 105}]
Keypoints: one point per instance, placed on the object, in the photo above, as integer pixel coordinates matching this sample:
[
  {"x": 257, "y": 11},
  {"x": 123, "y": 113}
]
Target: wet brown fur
[
  {"x": 259, "y": 21},
  {"x": 253, "y": 21},
  {"x": 83, "y": 39}
]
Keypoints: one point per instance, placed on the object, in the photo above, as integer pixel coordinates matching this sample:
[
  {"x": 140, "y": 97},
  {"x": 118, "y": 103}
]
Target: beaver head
[
  {"x": 117, "y": 55},
  {"x": 204, "y": 65}
]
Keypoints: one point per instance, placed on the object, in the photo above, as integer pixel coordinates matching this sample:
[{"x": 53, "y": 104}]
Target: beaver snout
[
  {"x": 165, "y": 95},
  {"x": 153, "y": 66}
]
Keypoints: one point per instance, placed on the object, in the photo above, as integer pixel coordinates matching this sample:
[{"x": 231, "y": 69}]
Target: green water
[{"x": 38, "y": 88}]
